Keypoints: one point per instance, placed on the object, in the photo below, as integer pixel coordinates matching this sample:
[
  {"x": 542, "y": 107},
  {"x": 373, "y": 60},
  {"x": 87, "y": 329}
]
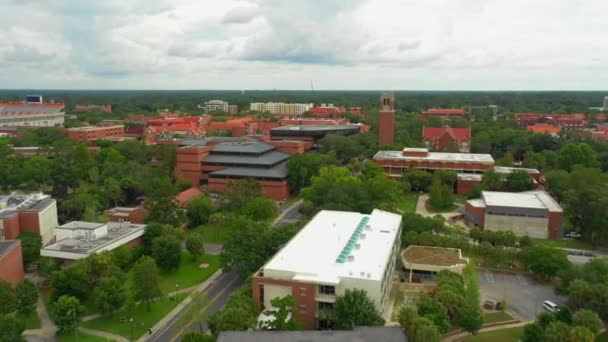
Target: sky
[{"x": 296, "y": 44}]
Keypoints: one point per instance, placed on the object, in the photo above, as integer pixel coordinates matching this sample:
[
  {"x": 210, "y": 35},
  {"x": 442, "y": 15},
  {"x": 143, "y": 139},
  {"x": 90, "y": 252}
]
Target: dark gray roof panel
[
  {"x": 267, "y": 159},
  {"x": 277, "y": 172},
  {"x": 205, "y": 141},
  {"x": 360, "y": 334},
  {"x": 6, "y": 245},
  {"x": 314, "y": 130},
  {"x": 243, "y": 147}
]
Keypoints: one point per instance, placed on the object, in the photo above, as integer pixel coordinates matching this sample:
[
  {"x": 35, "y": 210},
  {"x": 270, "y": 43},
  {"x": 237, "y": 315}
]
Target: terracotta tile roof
[
  {"x": 456, "y": 133},
  {"x": 539, "y": 128},
  {"x": 185, "y": 196}
]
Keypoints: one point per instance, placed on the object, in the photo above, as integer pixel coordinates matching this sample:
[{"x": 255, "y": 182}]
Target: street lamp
[
  {"x": 73, "y": 311},
  {"x": 131, "y": 321},
  {"x": 176, "y": 293}
]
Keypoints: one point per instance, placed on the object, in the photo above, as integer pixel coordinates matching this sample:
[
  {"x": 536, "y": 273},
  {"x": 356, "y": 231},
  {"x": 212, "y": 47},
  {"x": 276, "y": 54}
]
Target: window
[
  {"x": 302, "y": 308},
  {"x": 325, "y": 306},
  {"x": 303, "y": 291},
  {"x": 327, "y": 289}
]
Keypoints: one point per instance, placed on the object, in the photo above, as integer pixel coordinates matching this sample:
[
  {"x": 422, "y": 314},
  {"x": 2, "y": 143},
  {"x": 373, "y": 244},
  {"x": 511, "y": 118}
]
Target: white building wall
[
  {"x": 275, "y": 291},
  {"x": 47, "y": 219},
  {"x": 371, "y": 286},
  {"x": 535, "y": 227}
]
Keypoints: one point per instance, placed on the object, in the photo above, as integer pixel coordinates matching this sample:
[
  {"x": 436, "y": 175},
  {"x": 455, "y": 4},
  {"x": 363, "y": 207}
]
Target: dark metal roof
[
  {"x": 7, "y": 245},
  {"x": 243, "y": 147},
  {"x": 277, "y": 172},
  {"x": 314, "y": 130},
  {"x": 205, "y": 141},
  {"x": 359, "y": 334},
  {"x": 267, "y": 159}
]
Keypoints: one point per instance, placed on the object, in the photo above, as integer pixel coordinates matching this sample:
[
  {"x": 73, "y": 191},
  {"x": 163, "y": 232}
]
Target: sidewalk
[
  {"x": 106, "y": 335},
  {"x": 47, "y": 327},
  {"x": 458, "y": 336},
  {"x": 165, "y": 320}
]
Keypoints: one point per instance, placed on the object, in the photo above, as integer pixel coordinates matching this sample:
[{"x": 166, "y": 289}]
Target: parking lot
[{"x": 523, "y": 294}]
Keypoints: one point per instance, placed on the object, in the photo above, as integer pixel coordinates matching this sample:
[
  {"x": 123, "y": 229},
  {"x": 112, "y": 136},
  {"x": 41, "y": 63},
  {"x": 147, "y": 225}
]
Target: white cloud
[{"x": 345, "y": 44}]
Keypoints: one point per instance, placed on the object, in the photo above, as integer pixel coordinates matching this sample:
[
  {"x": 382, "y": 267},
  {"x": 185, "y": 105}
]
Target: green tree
[
  {"x": 470, "y": 315},
  {"x": 442, "y": 195},
  {"x": 491, "y": 180},
  {"x": 109, "y": 294},
  {"x": 240, "y": 313},
  {"x": 8, "y": 302},
  {"x": 353, "y": 309},
  {"x": 302, "y": 167},
  {"x": 432, "y": 309},
  {"x": 581, "y": 334},
  {"x": 283, "y": 314},
  {"x": 260, "y": 208},
  {"x": 420, "y": 180},
  {"x": 167, "y": 251},
  {"x": 199, "y": 210},
  {"x": 30, "y": 244},
  {"x": 67, "y": 313},
  {"x": 507, "y": 159},
  {"x": 145, "y": 281},
  {"x": 239, "y": 193},
  {"x": 71, "y": 281},
  {"x": 113, "y": 191},
  {"x": 151, "y": 232},
  {"x": 557, "y": 332},
  {"x": 195, "y": 245},
  {"x": 423, "y": 330},
  {"x": 11, "y": 329},
  {"x": 26, "y": 294},
  {"x": 588, "y": 319},
  {"x": 194, "y": 336},
  {"x": 519, "y": 181},
  {"x": 161, "y": 204},
  {"x": 577, "y": 154},
  {"x": 533, "y": 332},
  {"x": 544, "y": 260},
  {"x": 407, "y": 315}
]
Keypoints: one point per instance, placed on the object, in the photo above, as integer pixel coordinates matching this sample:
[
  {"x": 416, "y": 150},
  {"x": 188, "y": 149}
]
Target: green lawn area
[
  {"x": 601, "y": 337},
  {"x": 212, "y": 234},
  {"x": 574, "y": 244},
  {"x": 498, "y": 316},
  {"x": 189, "y": 273},
  {"x": 408, "y": 203},
  {"x": 82, "y": 337},
  {"x": 142, "y": 319},
  {"x": 31, "y": 320},
  {"x": 503, "y": 335}
]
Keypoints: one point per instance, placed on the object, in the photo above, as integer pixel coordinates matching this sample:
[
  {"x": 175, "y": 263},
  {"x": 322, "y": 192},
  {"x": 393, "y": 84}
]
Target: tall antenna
[{"x": 312, "y": 87}]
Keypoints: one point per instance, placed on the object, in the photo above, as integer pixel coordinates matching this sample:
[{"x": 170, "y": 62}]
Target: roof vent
[
  {"x": 362, "y": 236},
  {"x": 358, "y": 246},
  {"x": 351, "y": 258},
  {"x": 363, "y": 274},
  {"x": 369, "y": 275}
]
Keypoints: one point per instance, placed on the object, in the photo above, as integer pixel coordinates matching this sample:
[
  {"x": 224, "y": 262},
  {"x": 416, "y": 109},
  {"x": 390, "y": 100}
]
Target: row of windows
[{"x": 498, "y": 213}]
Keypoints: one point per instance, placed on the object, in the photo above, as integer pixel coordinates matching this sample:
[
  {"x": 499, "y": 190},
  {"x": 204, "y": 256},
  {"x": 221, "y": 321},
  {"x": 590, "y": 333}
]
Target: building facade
[
  {"x": 16, "y": 114},
  {"x": 90, "y": 134},
  {"x": 281, "y": 107},
  {"x": 11, "y": 261},
  {"x": 440, "y": 138},
  {"x": 530, "y": 213},
  {"x": 214, "y": 105},
  {"x": 443, "y": 113},
  {"x": 93, "y": 108},
  {"x": 386, "y": 119},
  {"x": 334, "y": 252},
  {"x": 35, "y": 212}
]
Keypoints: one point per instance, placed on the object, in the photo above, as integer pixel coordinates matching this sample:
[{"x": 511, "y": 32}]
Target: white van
[{"x": 549, "y": 306}]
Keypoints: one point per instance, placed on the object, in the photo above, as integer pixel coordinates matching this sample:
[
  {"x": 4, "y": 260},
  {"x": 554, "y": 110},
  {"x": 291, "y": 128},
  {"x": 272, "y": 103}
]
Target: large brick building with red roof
[
  {"x": 443, "y": 113},
  {"x": 439, "y": 138},
  {"x": 574, "y": 121}
]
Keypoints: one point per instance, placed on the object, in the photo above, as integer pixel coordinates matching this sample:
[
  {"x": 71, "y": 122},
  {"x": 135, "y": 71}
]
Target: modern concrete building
[
  {"x": 78, "y": 239},
  {"x": 334, "y": 252},
  {"x": 11, "y": 261},
  {"x": 530, "y": 213},
  {"x": 213, "y": 105},
  {"x": 15, "y": 114},
  {"x": 386, "y": 119},
  {"x": 358, "y": 334},
  {"x": 219, "y": 161},
  {"x": 35, "y": 212},
  {"x": 89, "y": 134},
  {"x": 432, "y": 260},
  {"x": 281, "y": 107}
]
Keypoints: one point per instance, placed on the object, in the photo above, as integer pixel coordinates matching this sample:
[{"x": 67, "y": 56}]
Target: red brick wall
[
  {"x": 277, "y": 190},
  {"x": 386, "y": 128},
  {"x": 477, "y": 211},
  {"x": 11, "y": 265},
  {"x": 423, "y": 164},
  {"x": 465, "y": 186},
  {"x": 11, "y": 227},
  {"x": 556, "y": 220},
  {"x": 134, "y": 243},
  {"x": 29, "y": 222},
  {"x": 137, "y": 215},
  {"x": 302, "y": 297}
]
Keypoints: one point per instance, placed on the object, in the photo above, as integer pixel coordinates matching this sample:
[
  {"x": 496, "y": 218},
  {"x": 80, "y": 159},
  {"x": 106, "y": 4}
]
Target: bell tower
[{"x": 386, "y": 119}]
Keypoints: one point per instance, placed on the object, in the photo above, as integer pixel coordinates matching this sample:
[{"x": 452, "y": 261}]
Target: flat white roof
[
  {"x": 507, "y": 169},
  {"x": 470, "y": 176},
  {"x": 437, "y": 156},
  {"x": 536, "y": 199},
  {"x": 81, "y": 225},
  {"x": 313, "y": 254}
]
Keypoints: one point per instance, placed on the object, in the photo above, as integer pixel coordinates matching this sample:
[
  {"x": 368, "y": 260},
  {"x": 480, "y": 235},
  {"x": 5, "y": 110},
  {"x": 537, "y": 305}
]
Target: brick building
[
  {"x": 93, "y": 108},
  {"x": 190, "y": 127},
  {"x": 127, "y": 214},
  {"x": 220, "y": 161},
  {"x": 36, "y": 213},
  {"x": 334, "y": 252},
  {"x": 443, "y": 113},
  {"x": 544, "y": 128},
  {"x": 11, "y": 261},
  {"x": 90, "y": 134},
  {"x": 310, "y": 134},
  {"x": 386, "y": 119},
  {"x": 529, "y": 213},
  {"x": 574, "y": 121},
  {"x": 439, "y": 138}
]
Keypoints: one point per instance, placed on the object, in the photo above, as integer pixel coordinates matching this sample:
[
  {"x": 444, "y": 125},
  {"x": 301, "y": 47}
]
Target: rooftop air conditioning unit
[{"x": 351, "y": 258}]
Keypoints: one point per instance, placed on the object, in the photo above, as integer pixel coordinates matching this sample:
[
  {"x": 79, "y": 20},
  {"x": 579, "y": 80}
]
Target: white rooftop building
[{"x": 334, "y": 252}]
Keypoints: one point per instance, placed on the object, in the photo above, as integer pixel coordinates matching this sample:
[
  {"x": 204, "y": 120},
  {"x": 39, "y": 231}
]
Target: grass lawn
[
  {"x": 82, "y": 337},
  {"x": 498, "y": 316},
  {"x": 408, "y": 203},
  {"x": 503, "y": 335},
  {"x": 574, "y": 244},
  {"x": 31, "y": 320},
  {"x": 189, "y": 272},
  {"x": 212, "y": 234},
  {"x": 142, "y": 319},
  {"x": 601, "y": 337}
]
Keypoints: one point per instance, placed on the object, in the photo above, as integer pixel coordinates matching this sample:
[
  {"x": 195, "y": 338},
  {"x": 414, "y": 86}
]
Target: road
[
  {"x": 218, "y": 292},
  {"x": 290, "y": 215}
]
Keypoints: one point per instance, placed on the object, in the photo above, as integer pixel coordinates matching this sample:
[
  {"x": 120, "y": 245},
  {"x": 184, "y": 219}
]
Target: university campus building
[
  {"x": 35, "y": 212},
  {"x": 31, "y": 113},
  {"x": 11, "y": 261},
  {"x": 334, "y": 252},
  {"x": 530, "y": 213}
]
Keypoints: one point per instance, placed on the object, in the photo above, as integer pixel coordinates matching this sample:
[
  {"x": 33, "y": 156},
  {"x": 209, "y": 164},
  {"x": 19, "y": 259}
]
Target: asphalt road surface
[
  {"x": 218, "y": 293},
  {"x": 291, "y": 215}
]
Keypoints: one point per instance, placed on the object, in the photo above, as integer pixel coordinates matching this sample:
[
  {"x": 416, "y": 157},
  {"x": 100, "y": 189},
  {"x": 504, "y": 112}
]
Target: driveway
[{"x": 523, "y": 294}]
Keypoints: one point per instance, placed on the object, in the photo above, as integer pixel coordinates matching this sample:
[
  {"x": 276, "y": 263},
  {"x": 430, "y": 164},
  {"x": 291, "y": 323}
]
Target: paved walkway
[
  {"x": 47, "y": 327},
  {"x": 106, "y": 335},
  {"x": 421, "y": 209},
  {"x": 498, "y": 327}
]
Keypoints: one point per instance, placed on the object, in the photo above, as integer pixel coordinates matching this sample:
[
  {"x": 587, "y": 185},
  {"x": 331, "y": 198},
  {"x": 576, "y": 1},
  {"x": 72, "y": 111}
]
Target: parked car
[
  {"x": 550, "y": 306},
  {"x": 573, "y": 235}
]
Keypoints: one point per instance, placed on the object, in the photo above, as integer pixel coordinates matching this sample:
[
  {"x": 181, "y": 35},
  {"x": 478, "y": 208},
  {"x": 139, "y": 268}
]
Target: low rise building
[
  {"x": 281, "y": 107},
  {"x": 311, "y": 134},
  {"x": 440, "y": 138},
  {"x": 442, "y": 113},
  {"x": 90, "y": 134},
  {"x": 358, "y": 334},
  {"x": 34, "y": 212},
  {"x": 93, "y": 108},
  {"x": 11, "y": 261},
  {"x": 78, "y": 239},
  {"x": 530, "y": 213},
  {"x": 127, "y": 214},
  {"x": 214, "y": 105},
  {"x": 432, "y": 260},
  {"x": 334, "y": 252},
  {"x": 544, "y": 128},
  {"x": 190, "y": 127},
  {"x": 573, "y": 121}
]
